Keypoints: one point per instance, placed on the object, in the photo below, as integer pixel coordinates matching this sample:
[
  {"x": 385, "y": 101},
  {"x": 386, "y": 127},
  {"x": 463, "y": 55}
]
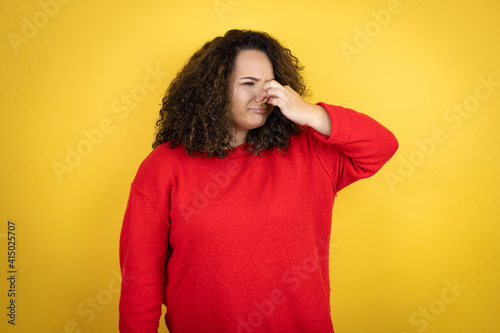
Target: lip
[{"x": 259, "y": 109}]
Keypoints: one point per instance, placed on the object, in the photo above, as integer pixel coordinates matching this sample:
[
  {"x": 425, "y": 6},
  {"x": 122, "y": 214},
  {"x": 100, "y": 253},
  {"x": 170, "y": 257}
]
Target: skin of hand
[{"x": 295, "y": 108}]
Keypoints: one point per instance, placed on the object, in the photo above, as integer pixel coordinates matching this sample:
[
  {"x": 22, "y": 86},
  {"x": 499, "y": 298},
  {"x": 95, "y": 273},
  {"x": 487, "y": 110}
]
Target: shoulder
[
  {"x": 303, "y": 144},
  {"x": 161, "y": 163}
]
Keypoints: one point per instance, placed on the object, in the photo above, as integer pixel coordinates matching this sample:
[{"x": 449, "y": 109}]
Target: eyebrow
[{"x": 253, "y": 78}]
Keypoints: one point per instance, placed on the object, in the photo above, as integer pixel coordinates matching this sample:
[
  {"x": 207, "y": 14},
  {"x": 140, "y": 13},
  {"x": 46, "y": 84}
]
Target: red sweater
[{"x": 241, "y": 244}]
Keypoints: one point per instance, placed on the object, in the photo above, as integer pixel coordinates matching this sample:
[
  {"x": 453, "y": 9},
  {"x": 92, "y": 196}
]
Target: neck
[{"x": 239, "y": 138}]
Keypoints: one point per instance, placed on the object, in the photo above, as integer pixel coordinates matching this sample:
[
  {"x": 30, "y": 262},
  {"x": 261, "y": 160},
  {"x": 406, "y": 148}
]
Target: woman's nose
[{"x": 262, "y": 96}]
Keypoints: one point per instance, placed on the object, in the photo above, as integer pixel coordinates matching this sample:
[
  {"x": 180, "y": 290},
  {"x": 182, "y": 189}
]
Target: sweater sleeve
[
  {"x": 358, "y": 146},
  {"x": 143, "y": 255}
]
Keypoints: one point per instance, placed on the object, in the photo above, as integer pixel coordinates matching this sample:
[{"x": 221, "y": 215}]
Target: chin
[
  {"x": 252, "y": 121},
  {"x": 258, "y": 122}
]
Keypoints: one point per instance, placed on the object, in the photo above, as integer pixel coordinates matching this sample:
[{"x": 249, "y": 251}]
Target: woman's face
[{"x": 252, "y": 69}]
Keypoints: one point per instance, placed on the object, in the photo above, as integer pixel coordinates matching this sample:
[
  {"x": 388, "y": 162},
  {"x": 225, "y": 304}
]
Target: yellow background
[{"x": 396, "y": 242}]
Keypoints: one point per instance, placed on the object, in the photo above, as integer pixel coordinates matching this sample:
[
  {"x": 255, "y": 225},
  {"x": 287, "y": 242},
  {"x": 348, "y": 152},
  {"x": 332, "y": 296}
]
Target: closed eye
[{"x": 249, "y": 83}]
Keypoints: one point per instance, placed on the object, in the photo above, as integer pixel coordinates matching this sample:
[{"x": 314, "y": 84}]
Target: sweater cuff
[{"x": 341, "y": 124}]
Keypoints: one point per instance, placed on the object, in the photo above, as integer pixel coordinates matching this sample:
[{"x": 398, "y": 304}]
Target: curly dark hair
[{"x": 196, "y": 110}]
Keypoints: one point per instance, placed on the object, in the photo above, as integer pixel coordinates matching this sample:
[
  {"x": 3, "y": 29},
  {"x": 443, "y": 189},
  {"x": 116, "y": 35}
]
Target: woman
[{"x": 228, "y": 220}]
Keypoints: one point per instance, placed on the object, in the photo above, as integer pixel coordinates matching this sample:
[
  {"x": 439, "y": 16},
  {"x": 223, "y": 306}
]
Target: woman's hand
[{"x": 295, "y": 108}]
